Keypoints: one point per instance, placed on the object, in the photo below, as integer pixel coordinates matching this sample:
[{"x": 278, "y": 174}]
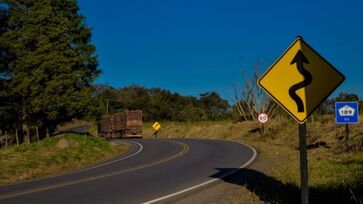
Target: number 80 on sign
[{"x": 262, "y": 118}]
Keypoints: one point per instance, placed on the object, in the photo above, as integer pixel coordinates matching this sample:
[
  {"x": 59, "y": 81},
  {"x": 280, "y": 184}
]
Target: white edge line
[
  {"x": 114, "y": 161},
  {"x": 210, "y": 181},
  {"x": 86, "y": 169}
]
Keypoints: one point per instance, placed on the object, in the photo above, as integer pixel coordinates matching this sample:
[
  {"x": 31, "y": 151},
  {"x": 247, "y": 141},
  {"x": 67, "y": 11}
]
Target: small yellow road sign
[
  {"x": 300, "y": 80},
  {"x": 156, "y": 126}
]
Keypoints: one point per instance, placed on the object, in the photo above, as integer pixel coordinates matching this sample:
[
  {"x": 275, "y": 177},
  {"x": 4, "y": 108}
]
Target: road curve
[{"x": 150, "y": 171}]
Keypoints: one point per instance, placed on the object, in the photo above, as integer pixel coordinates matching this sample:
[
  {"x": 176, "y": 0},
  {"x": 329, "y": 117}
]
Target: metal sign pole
[
  {"x": 303, "y": 164},
  {"x": 347, "y": 132}
]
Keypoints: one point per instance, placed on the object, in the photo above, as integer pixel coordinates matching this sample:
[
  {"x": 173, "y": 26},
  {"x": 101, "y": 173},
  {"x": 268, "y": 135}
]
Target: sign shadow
[{"x": 271, "y": 190}]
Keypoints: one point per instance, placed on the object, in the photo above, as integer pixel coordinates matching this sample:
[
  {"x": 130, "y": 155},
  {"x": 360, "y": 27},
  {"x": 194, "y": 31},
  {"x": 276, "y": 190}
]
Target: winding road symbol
[
  {"x": 300, "y": 80},
  {"x": 299, "y": 60}
]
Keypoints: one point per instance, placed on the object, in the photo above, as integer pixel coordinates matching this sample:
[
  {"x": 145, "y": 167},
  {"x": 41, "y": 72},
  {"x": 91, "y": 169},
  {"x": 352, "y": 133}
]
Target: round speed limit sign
[{"x": 262, "y": 118}]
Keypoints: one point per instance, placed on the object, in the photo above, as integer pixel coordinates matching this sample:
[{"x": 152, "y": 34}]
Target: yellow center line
[{"x": 179, "y": 154}]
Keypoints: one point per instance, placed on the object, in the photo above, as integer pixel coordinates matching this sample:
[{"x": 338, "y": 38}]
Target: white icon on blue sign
[{"x": 346, "y": 112}]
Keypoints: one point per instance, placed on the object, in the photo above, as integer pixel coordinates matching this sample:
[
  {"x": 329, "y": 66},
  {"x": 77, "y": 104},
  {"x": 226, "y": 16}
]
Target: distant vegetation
[{"x": 159, "y": 104}]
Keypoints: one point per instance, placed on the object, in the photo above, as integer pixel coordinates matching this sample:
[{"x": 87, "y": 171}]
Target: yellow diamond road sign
[
  {"x": 156, "y": 126},
  {"x": 300, "y": 80}
]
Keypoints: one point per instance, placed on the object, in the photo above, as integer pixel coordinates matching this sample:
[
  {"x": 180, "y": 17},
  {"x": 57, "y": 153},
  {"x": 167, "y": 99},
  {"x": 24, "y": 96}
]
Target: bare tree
[{"x": 250, "y": 100}]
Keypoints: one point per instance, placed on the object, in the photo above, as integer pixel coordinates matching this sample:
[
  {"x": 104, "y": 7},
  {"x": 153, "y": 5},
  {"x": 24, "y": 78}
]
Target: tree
[
  {"x": 250, "y": 100},
  {"x": 328, "y": 106},
  {"x": 214, "y": 105},
  {"x": 55, "y": 66},
  {"x": 347, "y": 97},
  {"x": 107, "y": 99},
  {"x": 8, "y": 113}
]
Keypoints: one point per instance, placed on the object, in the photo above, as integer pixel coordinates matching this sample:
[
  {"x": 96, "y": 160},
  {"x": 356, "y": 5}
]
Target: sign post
[
  {"x": 156, "y": 127},
  {"x": 299, "y": 81},
  {"x": 346, "y": 113},
  {"x": 303, "y": 164},
  {"x": 263, "y": 119}
]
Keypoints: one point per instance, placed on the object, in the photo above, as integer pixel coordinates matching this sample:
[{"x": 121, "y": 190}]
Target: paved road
[{"x": 151, "y": 169}]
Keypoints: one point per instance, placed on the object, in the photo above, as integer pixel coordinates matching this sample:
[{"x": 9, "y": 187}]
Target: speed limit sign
[{"x": 262, "y": 118}]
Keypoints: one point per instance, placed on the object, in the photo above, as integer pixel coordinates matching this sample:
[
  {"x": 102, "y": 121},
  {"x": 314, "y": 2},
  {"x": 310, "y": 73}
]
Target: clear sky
[{"x": 195, "y": 46}]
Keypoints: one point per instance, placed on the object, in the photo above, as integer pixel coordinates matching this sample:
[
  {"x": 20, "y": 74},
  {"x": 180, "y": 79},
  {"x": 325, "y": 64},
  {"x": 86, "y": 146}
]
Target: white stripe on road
[
  {"x": 117, "y": 160},
  {"x": 207, "y": 182}
]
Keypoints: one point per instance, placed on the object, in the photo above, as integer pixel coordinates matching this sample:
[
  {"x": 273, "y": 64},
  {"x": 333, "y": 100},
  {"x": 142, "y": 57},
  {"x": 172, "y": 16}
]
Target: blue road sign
[{"x": 346, "y": 112}]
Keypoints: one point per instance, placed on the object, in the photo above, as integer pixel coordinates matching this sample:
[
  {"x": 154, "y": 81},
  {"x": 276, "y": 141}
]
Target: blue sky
[{"x": 195, "y": 46}]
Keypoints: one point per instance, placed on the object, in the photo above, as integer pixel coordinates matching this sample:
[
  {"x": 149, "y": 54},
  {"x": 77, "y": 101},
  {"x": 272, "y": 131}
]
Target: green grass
[{"x": 35, "y": 160}]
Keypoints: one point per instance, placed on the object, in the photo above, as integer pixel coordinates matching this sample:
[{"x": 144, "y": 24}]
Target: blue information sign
[{"x": 346, "y": 112}]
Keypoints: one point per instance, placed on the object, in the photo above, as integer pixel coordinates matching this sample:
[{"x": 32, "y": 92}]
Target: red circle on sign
[{"x": 262, "y": 118}]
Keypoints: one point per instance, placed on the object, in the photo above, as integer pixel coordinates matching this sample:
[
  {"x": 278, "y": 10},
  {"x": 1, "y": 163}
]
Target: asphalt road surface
[{"x": 152, "y": 170}]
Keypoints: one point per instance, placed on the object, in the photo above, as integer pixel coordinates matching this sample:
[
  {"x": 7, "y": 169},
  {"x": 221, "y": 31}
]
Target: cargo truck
[{"x": 121, "y": 125}]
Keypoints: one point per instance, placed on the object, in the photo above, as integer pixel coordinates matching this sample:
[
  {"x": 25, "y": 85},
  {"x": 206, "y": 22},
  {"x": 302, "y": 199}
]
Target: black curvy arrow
[{"x": 300, "y": 59}]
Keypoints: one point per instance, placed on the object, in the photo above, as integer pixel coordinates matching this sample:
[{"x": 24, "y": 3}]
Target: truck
[{"x": 126, "y": 124}]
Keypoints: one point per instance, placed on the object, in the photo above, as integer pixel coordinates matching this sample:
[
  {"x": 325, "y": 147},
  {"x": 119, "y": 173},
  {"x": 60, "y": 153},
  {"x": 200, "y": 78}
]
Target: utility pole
[{"x": 107, "y": 106}]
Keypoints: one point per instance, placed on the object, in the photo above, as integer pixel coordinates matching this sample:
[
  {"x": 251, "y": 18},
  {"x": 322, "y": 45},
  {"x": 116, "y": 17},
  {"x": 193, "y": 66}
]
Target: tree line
[{"x": 161, "y": 104}]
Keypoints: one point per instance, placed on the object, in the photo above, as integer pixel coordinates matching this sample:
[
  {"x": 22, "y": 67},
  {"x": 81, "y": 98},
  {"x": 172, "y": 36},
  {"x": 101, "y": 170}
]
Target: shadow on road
[{"x": 271, "y": 190}]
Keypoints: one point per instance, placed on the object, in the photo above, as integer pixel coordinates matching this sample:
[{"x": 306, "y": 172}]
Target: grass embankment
[
  {"x": 35, "y": 160},
  {"x": 335, "y": 169}
]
